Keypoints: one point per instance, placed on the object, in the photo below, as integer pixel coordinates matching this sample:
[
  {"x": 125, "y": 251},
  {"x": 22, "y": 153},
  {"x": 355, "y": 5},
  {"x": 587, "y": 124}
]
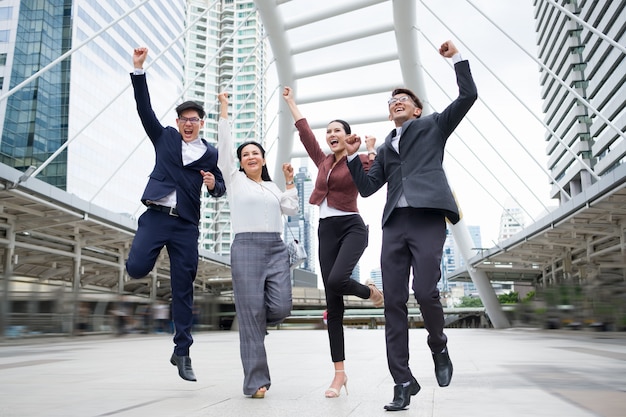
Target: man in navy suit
[
  {"x": 184, "y": 162},
  {"x": 419, "y": 200}
]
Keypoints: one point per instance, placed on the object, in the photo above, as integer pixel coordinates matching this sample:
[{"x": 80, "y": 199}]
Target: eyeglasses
[
  {"x": 394, "y": 100},
  {"x": 192, "y": 120}
]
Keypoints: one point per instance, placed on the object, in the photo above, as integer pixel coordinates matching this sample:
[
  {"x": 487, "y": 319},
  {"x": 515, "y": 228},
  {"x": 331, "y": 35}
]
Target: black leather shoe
[
  {"x": 402, "y": 395},
  {"x": 443, "y": 368},
  {"x": 184, "y": 367}
]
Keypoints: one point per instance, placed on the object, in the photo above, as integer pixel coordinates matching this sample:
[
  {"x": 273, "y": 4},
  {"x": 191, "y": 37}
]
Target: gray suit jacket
[{"x": 417, "y": 171}]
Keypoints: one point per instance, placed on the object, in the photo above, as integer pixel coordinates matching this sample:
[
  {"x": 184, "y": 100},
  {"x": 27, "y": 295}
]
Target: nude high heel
[
  {"x": 334, "y": 393},
  {"x": 260, "y": 393}
]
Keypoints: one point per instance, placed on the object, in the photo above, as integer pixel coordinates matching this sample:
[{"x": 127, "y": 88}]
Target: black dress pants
[{"x": 412, "y": 238}]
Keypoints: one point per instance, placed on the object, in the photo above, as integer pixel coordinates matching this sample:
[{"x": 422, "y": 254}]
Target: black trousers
[
  {"x": 342, "y": 240},
  {"x": 412, "y": 238}
]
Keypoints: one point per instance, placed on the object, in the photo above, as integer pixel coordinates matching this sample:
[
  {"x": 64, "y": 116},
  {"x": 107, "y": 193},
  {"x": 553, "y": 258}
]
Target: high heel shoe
[
  {"x": 333, "y": 392},
  {"x": 376, "y": 295},
  {"x": 260, "y": 393}
]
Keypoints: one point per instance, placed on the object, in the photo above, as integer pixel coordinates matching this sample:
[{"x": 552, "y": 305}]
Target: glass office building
[
  {"x": 83, "y": 100},
  {"x": 36, "y": 117},
  {"x": 77, "y": 115},
  {"x": 584, "y": 146}
]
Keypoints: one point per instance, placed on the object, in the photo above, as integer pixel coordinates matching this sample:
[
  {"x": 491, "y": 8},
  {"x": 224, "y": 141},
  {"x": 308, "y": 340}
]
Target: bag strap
[{"x": 290, "y": 232}]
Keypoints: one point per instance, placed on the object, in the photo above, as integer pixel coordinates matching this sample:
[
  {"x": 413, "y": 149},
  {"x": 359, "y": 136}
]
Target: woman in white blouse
[{"x": 258, "y": 256}]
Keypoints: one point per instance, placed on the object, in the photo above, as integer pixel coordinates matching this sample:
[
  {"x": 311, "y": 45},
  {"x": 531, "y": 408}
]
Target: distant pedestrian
[{"x": 161, "y": 314}]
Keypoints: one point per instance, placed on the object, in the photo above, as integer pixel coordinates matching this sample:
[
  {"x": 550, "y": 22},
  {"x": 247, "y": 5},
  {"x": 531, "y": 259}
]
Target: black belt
[{"x": 165, "y": 209}]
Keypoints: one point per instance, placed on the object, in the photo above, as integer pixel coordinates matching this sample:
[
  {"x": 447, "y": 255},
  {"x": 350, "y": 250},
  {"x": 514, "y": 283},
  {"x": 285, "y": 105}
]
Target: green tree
[
  {"x": 510, "y": 298},
  {"x": 471, "y": 302},
  {"x": 529, "y": 297}
]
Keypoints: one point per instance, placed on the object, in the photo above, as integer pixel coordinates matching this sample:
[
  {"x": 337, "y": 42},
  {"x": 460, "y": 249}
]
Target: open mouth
[{"x": 333, "y": 142}]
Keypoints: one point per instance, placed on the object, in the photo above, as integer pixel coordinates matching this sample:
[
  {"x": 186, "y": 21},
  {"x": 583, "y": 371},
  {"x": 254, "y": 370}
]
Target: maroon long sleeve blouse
[{"x": 338, "y": 188}]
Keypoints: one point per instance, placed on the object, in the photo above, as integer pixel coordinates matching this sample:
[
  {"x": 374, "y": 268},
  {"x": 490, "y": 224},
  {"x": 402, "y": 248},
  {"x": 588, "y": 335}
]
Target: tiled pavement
[{"x": 499, "y": 373}]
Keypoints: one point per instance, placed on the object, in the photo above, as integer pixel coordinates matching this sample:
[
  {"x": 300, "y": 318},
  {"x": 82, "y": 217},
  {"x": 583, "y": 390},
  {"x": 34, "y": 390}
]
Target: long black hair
[{"x": 265, "y": 175}]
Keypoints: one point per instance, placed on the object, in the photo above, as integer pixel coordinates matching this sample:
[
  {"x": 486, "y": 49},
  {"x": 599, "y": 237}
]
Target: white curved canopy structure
[
  {"x": 338, "y": 52},
  {"x": 338, "y": 58},
  {"x": 343, "y": 58}
]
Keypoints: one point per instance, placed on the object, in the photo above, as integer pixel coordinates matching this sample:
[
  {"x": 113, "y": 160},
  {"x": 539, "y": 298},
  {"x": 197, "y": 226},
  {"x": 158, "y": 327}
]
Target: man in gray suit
[{"x": 419, "y": 200}]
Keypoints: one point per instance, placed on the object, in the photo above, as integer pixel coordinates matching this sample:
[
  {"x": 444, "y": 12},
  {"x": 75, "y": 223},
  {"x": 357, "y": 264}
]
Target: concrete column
[
  {"x": 76, "y": 283},
  {"x": 5, "y": 280},
  {"x": 486, "y": 292},
  {"x": 154, "y": 285},
  {"x": 122, "y": 269}
]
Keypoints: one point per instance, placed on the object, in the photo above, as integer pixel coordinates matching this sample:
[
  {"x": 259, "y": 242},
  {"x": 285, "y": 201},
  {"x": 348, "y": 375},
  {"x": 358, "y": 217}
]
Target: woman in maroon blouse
[{"x": 342, "y": 234}]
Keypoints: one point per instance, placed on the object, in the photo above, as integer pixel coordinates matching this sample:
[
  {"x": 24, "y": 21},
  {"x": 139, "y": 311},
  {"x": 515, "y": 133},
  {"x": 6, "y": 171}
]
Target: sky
[{"x": 497, "y": 155}]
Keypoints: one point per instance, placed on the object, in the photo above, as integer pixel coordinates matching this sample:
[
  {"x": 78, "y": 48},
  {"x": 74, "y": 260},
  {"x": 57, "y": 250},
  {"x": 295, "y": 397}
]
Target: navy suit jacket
[
  {"x": 169, "y": 173},
  {"x": 417, "y": 170}
]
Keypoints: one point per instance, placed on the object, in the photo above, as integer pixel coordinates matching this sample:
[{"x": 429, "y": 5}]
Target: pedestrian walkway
[{"x": 497, "y": 373}]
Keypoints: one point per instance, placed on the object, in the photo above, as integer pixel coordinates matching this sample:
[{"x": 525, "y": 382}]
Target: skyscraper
[
  {"x": 512, "y": 220},
  {"x": 210, "y": 32},
  {"x": 82, "y": 106},
  {"x": 305, "y": 224},
  {"x": 376, "y": 275},
  {"x": 36, "y": 117},
  {"x": 583, "y": 52},
  {"x": 225, "y": 51},
  {"x": 452, "y": 260},
  {"x": 84, "y": 101}
]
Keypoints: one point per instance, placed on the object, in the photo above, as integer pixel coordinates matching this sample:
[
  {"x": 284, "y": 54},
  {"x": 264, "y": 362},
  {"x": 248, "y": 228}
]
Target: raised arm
[
  {"x": 223, "y": 99},
  {"x": 139, "y": 57},
  {"x": 448, "y": 49},
  {"x": 289, "y": 204},
  {"x": 291, "y": 102},
  {"x": 150, "y": 122},
  {"x": 225, "y": 153},
  {"x": 370, "y": 142},
  {"x": 307, "y": 137},
  {"x": 288, "y": 173},
  {"x": 452, "y": 115}
]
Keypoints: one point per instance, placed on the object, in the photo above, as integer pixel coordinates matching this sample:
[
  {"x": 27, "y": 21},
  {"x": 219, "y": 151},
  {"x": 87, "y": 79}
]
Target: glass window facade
[
  {"x": 6, "y": 13},
  {"x": 85, "y": 102},
  {"x": 36, "y": 118}
]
